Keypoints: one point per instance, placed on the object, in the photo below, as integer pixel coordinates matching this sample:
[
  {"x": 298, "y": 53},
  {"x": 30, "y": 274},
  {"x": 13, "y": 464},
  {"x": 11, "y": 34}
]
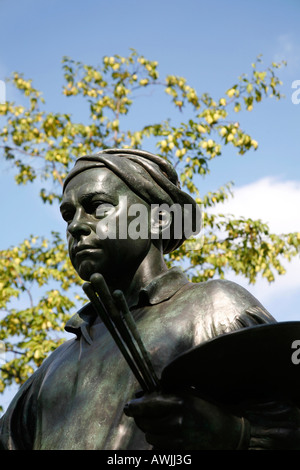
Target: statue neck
[{"x": 135, "y": 279}]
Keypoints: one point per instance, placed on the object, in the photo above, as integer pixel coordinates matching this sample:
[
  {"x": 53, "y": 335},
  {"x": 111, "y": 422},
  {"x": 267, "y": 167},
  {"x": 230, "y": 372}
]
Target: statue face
[{"x": 93, "y": 202}]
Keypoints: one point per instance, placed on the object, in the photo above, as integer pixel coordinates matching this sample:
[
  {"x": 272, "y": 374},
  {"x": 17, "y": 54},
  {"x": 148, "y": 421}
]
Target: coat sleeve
[
  {"x": 228, "y": 307},
  {"x": 273, "y": 424},
  {"x": 17, "y": 425}
]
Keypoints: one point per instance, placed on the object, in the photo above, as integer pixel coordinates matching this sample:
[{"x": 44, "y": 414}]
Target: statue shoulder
[
  {"x": 221, "y": 289},
  {"x": 222, "y": 306}
]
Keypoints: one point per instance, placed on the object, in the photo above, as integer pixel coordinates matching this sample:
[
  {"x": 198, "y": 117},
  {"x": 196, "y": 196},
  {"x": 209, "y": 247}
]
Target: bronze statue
[{"x": 190, "y": 396}]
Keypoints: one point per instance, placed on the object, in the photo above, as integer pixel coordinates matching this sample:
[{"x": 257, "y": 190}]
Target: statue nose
[{"x": 79, "y": 226}]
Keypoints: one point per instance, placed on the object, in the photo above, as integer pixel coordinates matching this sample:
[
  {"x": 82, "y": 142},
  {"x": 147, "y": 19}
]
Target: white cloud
[
  {"x": 278, "y": 204},
  {"x": 269, "y": 199}
]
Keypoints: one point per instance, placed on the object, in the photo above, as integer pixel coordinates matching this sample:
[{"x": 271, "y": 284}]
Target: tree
[{"x": 44, "y": 145}]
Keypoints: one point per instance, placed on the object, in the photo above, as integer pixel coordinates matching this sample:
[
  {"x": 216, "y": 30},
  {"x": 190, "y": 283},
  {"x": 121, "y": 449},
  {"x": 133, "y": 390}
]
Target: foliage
[{"x": 42, "y": 144}]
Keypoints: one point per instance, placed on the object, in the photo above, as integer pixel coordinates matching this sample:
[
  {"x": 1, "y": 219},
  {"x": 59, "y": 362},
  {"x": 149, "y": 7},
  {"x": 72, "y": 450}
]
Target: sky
[{"x": 210, "y": 44}]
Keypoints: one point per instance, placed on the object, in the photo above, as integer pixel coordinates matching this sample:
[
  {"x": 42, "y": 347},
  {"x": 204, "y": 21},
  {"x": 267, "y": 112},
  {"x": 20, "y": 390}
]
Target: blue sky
[{"x": 209, "y": 43}]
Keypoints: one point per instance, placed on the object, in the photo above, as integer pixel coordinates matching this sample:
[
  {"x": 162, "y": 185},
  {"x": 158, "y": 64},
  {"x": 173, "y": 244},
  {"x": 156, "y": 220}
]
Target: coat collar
[{"x": 161, "y": 288}]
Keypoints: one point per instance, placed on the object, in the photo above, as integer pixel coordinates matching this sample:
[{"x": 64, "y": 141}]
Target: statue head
[{"x": 118, "y": 203}]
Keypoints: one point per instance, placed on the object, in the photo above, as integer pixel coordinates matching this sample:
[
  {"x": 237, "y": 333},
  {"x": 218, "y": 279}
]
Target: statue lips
[{"x": 84, "y": 250}]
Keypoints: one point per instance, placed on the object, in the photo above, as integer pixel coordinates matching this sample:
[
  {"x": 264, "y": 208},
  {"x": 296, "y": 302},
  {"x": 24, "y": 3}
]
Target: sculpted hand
[
  {"x": 274, "y": 425},
  {"x": 186, "y": 422}
]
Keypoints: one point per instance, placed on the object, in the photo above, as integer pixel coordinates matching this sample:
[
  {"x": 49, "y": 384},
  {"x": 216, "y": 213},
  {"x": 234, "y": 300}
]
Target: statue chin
[{"x": 86, "y": 268}]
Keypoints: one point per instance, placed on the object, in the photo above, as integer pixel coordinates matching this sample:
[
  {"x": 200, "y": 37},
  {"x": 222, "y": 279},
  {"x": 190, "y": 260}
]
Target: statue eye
[
  {"x": 68, "y": 216},
  {"x": 103, "y": 209}
]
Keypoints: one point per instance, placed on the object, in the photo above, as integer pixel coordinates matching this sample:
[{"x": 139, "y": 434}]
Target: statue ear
[{"x": 161, "y": 221}]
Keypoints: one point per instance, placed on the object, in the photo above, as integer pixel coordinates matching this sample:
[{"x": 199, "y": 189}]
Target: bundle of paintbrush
[{"x": 116, "y": 316}]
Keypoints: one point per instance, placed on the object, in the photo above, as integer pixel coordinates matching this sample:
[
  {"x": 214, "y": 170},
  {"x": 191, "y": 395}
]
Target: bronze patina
[{"x": 203, "y": 377}]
